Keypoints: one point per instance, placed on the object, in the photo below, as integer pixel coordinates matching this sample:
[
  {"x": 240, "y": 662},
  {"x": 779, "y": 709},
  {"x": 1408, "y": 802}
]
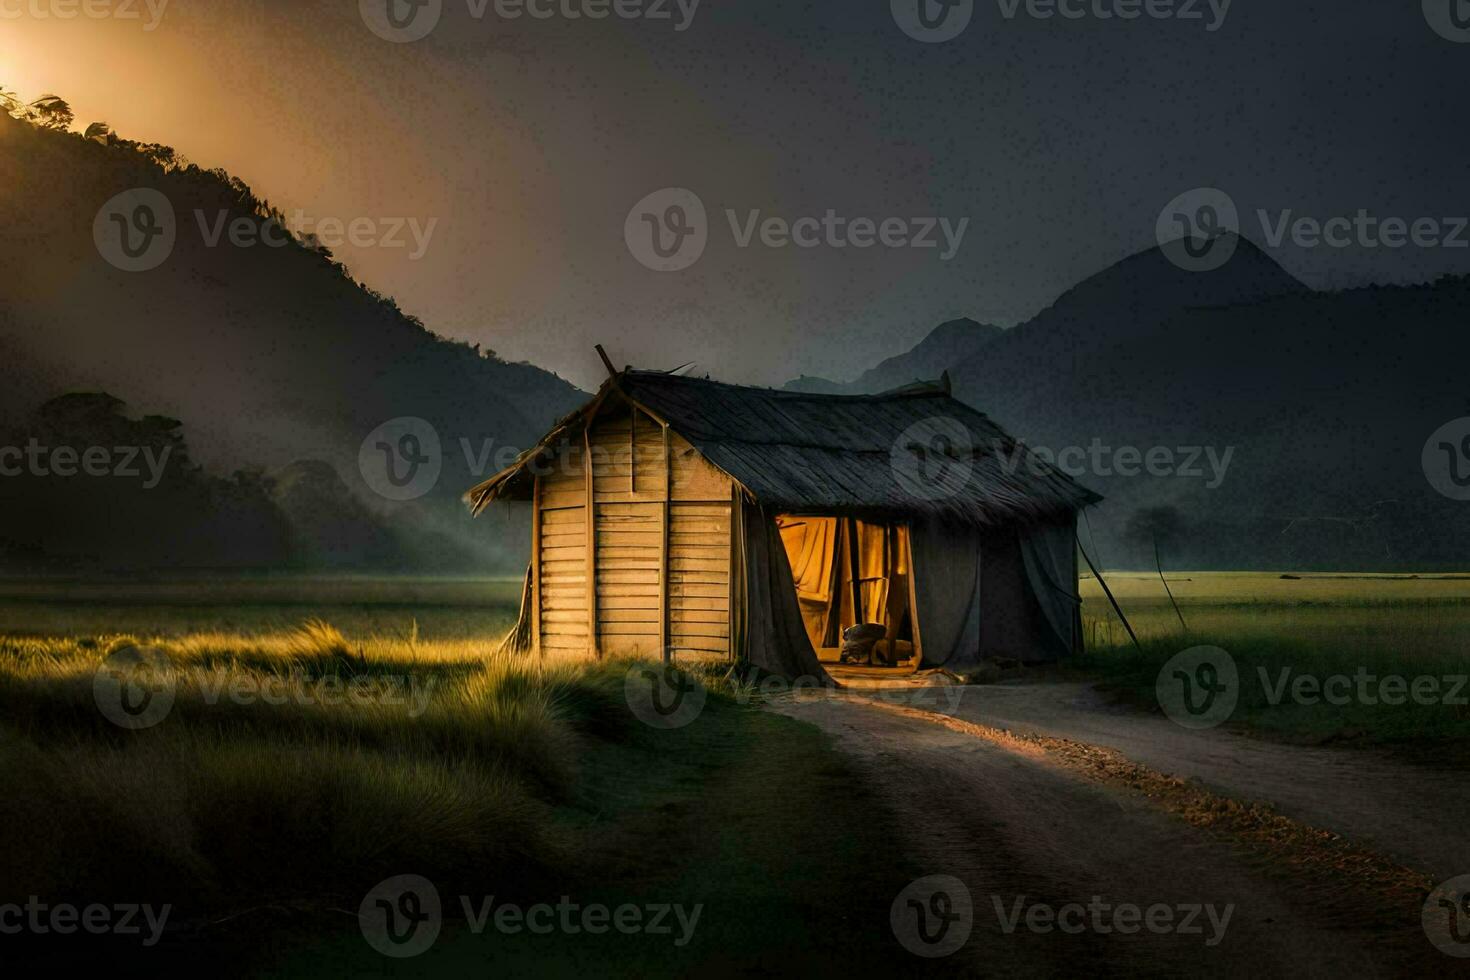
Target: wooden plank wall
[
  {"x": 627, "y": 472},
  {"x": 699, "y": 552},
  {"x": 699, "y": 576},
  {"x": 561, "y": 571},
  {"x": 660, "y": 541}
]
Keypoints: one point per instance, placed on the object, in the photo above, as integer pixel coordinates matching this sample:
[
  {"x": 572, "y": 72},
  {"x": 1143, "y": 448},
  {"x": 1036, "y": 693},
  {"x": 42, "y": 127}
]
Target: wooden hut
[{"x": 678, "y": 514}]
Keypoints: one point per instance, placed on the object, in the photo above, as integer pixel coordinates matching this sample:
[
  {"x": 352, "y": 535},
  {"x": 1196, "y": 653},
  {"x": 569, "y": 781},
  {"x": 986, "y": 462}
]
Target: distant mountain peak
[{"x": 950, "y": 342}]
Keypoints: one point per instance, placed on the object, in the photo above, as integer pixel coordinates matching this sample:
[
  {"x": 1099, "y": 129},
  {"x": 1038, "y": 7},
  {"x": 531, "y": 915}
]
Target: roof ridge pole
[{"x": 612, "y": 372}]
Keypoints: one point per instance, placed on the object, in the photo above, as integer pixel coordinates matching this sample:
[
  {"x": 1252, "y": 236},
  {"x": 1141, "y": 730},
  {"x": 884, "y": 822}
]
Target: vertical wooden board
[
  {"x": 663, "y": 568},
  {"x": 536, "y": 567},
  {"x": 561, "y": 570},
  {"x": 609, "y": 449},
  {"x": 591, "y": 558},
  {"x": 649, "y": 466},
  {"x": 628, "y": 541},
  {"x": 699, "y": 563}
]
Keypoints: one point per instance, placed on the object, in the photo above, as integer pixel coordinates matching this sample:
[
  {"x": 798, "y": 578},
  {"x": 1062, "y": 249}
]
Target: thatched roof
[{"x": 913, "y": 452}]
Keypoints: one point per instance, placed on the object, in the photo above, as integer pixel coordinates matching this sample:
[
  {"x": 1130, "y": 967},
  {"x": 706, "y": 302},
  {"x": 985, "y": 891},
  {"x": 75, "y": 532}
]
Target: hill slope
[{"x": 268, "y": 355}]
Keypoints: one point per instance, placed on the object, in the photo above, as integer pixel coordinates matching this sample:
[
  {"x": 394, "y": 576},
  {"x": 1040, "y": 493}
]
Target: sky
[{"x": 530, "y": 154}]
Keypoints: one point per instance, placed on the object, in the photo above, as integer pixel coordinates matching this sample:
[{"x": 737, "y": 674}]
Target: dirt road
[
  {"x": 1414, "y": 814},
  {"x": 1029, "y": 837}
]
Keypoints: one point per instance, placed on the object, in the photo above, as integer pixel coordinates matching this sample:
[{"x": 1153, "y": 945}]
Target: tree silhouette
[{"x": 50, "y": 112}]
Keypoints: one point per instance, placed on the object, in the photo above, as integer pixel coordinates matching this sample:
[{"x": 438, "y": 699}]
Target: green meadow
[{"x": 1367, "y": 627}]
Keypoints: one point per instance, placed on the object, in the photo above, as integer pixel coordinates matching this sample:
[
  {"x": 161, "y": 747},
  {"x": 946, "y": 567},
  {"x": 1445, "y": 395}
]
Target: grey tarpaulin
[
  {"x": 947, "y": 571},
  {"x": 767, "y": 614},
  {"x": 1050, "y": 555}
]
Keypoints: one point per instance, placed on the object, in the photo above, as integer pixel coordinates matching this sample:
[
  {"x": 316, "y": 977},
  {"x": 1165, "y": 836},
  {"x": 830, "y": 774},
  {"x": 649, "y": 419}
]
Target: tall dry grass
[{"x": 449, "y": 765}]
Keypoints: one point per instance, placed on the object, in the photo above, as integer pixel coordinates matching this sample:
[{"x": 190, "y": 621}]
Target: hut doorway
[{"x": 847, "y": 572}]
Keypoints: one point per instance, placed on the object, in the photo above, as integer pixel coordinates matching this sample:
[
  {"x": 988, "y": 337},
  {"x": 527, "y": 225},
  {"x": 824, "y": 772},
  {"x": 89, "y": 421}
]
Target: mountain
[
  {"x": 1305, "y": 413},
  {"x": 947, "y": 344},
  {"x": 270, "y": 354}
]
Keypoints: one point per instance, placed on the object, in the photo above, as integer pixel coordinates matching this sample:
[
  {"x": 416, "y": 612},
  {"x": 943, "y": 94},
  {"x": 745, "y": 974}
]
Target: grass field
[
  {"x": 269, "y": 798},
  {"x": 491, "y": 775},
  {"x": 1321, "y": 625}
]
